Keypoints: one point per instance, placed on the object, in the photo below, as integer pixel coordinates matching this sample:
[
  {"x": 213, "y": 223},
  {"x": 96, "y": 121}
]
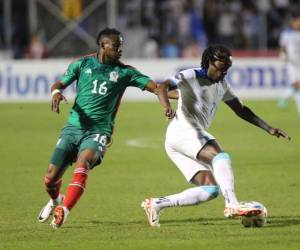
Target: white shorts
[
  {"x": 293, "y": 73},
  {"x": 183, "y": 145}
]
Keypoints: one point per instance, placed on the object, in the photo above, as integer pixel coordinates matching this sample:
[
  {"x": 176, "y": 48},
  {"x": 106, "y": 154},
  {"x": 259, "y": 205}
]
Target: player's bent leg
[
  {"x": 52, "y": 182},
  {"x": 192, "y": 196},
  {"x": 195, "y": 172},
  {"x": 189, "y": 197},
  {"x": 86, "y": 160},
  {"x": 223, "y": 174}
]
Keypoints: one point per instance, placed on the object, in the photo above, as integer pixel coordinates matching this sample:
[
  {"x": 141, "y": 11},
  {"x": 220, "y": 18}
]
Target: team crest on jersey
[
  {"x": 113, "y": 76},
  {"x": 88, "y": 71}
]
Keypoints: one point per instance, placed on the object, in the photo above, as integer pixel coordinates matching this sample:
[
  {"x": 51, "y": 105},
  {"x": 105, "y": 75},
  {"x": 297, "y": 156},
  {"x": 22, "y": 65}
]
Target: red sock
[
  {"x": 76, "y": 187},
  {"x": 52, "y": 188}
]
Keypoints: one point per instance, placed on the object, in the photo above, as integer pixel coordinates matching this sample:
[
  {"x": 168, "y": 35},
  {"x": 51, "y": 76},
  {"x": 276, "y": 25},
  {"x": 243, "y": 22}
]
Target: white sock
[
  {"x": 188, "y": 197},
  {"x": 58, "y": 200},
  {"x": 224, "y": 176}
]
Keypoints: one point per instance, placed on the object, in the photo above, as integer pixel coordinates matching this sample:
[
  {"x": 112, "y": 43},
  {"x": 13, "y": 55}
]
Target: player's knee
[
  {"x": 88, "y": 159},
  {"x": 212, "y": 190}
]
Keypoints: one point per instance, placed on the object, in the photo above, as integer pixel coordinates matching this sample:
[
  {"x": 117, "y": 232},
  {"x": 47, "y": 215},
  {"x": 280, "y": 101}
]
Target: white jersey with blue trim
[
  {"x": 199, "y": 98},
  {"x": 290, "y": 40}
]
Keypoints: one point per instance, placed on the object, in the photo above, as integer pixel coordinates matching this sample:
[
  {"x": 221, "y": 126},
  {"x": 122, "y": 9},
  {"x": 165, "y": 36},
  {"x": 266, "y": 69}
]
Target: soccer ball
[{"x": 255, "y": 220}]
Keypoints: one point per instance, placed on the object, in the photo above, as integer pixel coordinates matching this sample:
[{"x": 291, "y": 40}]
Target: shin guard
[{"x": 76, "y": 187}]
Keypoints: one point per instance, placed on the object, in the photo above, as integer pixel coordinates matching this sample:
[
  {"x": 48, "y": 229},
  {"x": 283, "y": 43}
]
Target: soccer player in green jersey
[{"x": 101, "y": 82}]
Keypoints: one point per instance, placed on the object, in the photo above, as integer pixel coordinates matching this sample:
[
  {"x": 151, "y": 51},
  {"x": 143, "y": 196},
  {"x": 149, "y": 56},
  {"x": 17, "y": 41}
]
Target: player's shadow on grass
[
  {"x": 97, "y": 223},
  {"x": 276, "y": 221},
  {"x": 196, "y": 221},
  {"x": 283, "y": 221}
]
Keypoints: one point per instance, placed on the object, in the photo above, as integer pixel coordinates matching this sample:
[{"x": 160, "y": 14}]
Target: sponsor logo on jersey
[{"x": 113, "y": 76}]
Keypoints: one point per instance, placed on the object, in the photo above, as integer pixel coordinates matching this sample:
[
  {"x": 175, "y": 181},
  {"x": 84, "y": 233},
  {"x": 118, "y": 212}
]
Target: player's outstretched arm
[
  {"x": 246, "y": 113},
  {"x": 172, "y": 94},
  {"x": 162, "y": 94},
  {"x": 57, "y": 97}
]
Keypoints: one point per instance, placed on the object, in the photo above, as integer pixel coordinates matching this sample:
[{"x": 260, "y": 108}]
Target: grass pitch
[{"x": 136, "y": 166}]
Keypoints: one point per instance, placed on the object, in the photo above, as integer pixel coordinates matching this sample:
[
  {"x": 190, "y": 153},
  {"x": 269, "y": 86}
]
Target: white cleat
[
  {"x": 60, "y": 215},
  {"x": 242, "y": 210},
  {"x": 151, "y": 211},
  {"x": 47, "y": 210}
]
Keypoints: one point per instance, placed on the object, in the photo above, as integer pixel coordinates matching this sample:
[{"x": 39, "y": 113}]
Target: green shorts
[{"x": 73, "y": 140}]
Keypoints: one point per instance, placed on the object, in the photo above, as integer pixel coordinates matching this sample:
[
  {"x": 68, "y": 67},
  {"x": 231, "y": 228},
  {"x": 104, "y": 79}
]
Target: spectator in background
[
  {"x": 2, "y": 41},
  {"x": 210, "y": 12},
  {"x": 19, "y": 35},
  {"x": 290, "y": 49},
  {"x": 276, "y": 18},
  {"x": 196, "y": 24},
  {"x": 36, "y": 48},
  {"x": 226, "y": 25},
  {"x": 170, "y": 49},
  {"x": 251, "y": 20},
  {"x": 150, "y": 49},
  {"x": 191, "y": 50}
]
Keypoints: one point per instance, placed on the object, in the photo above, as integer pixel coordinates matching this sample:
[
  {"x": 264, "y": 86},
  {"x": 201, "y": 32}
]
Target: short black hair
[
  {"x": 214, "y": 53},
  {"x": 107, "y": 32}
]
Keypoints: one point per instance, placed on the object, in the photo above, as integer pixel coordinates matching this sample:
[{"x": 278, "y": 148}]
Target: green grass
[{"x": 109, "y": 214}]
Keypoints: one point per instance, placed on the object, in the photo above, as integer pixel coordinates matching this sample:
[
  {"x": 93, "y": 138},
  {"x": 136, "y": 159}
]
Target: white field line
[{"x": 141, "y": 143}]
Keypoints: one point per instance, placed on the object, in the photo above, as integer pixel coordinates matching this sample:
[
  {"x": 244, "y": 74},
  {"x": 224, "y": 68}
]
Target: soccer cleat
[
  {"x": 242, "y": 210},
  {"x": 151, "y": 211},
  {"x": 60, "y": 214},
  {"x": 47, "y": 210}
]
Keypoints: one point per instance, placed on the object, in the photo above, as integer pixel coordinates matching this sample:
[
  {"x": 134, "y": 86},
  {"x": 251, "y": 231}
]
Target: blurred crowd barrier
[
  {"x": 250, "y": 78},
  {"x": 151, "y": 28}
]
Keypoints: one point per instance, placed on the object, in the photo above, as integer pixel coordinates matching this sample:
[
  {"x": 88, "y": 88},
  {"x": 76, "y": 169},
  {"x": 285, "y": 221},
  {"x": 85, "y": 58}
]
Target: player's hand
[
  {"x": 169, "y": 113},
  {"x": 56, "y": 99},
  {"x": 279, "y": 133}
]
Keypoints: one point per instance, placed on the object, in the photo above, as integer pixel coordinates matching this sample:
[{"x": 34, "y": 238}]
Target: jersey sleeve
[
  {"x": 185, "y": 74},
  {"x": 229, "y": 94},
  {"x": 72, "y": 73},
  {"x": 138, "y": 79}
]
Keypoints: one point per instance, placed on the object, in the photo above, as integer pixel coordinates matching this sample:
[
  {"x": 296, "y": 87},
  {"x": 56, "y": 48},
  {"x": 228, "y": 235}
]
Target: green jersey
[{"x": 99, "y": 91}]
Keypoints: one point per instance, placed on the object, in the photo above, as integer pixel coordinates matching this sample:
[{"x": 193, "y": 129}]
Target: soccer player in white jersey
[
  {"x": 290, "y": 49},
  {"x": 196, "y": 153}
]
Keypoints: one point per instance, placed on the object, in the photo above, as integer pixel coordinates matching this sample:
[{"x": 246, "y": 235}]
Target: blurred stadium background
[
  {"x": 153, "y": 28},
  {"x": 170, "y": 34},
  {"x": 157, "y": 30},
  {"x": 39, "y": 38}
]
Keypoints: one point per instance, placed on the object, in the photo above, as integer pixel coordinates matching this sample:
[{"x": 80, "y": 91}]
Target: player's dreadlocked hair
[
  {"x": 107, "y": 32},
  {"x": 216, "y": 52}
]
